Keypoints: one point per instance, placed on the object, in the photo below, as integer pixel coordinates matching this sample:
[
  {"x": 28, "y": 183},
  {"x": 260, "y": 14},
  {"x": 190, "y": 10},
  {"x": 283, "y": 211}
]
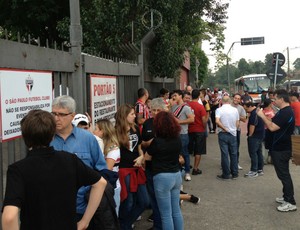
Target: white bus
[
  {"x": 295, "y": 85},
  {"x": 254, "y": 84}
]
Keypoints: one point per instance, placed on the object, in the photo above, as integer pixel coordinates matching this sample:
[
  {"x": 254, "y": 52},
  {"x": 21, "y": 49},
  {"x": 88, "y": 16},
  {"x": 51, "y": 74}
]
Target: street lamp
[
  {"x": 227, "y": 64},
  {"x": 244, "y": 42}
]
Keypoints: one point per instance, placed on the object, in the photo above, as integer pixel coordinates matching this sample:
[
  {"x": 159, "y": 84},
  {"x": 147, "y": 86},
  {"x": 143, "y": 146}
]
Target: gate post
[{"x": 76, "y": 41}]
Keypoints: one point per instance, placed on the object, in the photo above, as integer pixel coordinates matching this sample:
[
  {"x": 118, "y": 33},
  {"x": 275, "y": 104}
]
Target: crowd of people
[{"x": 77, "y": 176}]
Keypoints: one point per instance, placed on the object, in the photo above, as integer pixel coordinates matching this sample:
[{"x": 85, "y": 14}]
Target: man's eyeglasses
[{"x": 60, "y": 114}]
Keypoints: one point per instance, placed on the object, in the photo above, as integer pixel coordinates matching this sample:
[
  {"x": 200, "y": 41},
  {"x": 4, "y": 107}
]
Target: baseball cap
[{"x": 80, "y": 118}]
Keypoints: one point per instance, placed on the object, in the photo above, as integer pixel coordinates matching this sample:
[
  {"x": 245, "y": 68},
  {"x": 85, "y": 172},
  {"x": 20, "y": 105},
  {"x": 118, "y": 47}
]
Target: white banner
[
  {"x": 22, "y": 91},
  {"x": 103, "y": 97}
]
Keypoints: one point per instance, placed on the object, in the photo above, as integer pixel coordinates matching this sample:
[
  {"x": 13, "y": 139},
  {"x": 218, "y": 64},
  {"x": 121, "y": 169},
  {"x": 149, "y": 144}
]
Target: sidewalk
[{"x": 245, "y": 203}]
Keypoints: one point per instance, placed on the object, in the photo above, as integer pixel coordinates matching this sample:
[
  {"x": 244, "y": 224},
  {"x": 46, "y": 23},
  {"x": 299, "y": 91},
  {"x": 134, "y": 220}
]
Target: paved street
[{"x": 245, "y": 203}]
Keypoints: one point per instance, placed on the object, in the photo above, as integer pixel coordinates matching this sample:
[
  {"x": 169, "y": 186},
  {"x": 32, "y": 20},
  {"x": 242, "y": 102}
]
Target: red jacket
[{"x": 137, "y": 177}]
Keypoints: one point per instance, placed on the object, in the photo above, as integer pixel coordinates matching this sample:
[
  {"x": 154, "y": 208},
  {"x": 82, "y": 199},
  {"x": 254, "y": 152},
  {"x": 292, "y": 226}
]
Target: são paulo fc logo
[{"x": 29, "y": 83}]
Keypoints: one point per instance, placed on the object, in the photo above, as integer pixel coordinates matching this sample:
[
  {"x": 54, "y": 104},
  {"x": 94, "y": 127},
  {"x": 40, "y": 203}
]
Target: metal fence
[{"x": 17, "y": 55}]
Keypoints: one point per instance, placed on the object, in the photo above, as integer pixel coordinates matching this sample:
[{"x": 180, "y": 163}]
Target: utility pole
[
  {"x": 288, "y": 62},
  {"x": 288, "y": 70}
]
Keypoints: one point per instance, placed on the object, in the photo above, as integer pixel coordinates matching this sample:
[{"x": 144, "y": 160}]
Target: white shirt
[
  {"x": 200, "y": 101},
  {"x": 228, "y": 116},
  {"x": 116, "y": 156},
  {"x": 100, "y": 142},
  {"x": 241, "y": 110}
]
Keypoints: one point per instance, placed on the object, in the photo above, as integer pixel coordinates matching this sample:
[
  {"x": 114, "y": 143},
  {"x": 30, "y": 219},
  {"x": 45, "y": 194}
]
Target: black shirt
[
  {"x": 147, "y": 135},
  {"x": 44, "y": 186},
  {"x": 285, "y": 119},
  {"x": 165, "y": 154},
  {"x": 148, "y": 130},
  {"x": 129, "y": 155},
  {"x": 259, "y": 131}
]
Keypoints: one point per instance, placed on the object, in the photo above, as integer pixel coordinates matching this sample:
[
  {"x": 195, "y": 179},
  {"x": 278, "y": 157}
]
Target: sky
[{"x": 275, "y": 20}]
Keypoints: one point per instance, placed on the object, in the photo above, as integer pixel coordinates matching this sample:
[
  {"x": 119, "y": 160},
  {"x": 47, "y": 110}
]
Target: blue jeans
[
  {"x": 117, "y": 199},
  {"x": 228, "y": 147},
  {"x": 185, "y": 151},
  {"x": 156, "y": 215},
  {"x": 281, "y": 161},
  {"x": 133, "y": 206},
  {"x": 167, "y": 192},
  {"x": 255, "y": 153}
]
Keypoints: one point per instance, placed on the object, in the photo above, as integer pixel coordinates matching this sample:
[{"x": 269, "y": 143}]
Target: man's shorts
[{"x": 197, "y": 143}]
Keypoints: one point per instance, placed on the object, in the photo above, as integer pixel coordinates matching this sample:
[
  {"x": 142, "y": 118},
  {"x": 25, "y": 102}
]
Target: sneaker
[
  {"x": 260, "y": 172},
  {"x": 286, "y": 207},
  {"x": 251, "y": 174},
  {"x": 240, "y": 167},
  {"x": 150, "y": 218},
  {"x": 139, "y": 218},
  {"x": 222, "y": 177},
  {"x": 280, "y": 200},
  {"x": 196, "y": 172},
  {"x": 194, "y": 199},
  {"x": 187, "y": 177}
]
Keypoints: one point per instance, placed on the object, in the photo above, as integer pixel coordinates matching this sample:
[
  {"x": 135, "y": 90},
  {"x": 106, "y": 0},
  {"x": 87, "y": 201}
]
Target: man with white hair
[
  {"x": 77, "y": 141},
  {"x": 227, "y": 119}
]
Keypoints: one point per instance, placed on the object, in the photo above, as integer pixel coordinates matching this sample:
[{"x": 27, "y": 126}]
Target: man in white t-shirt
[{"x": 227, "y": 120}]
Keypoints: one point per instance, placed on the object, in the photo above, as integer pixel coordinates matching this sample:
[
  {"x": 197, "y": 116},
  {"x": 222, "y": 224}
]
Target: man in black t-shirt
[
  {"x": 44, "y": 185},
  {"x": 281, "y": 128},
  {"x": 255, "y": 133}
]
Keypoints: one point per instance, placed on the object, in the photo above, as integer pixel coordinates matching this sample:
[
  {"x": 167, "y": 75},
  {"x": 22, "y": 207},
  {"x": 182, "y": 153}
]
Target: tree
[
  {"x": 37, "y": 18},
  {"x": 108, "y": 24},
  {"x": 257, "y": 67},
  {"x": 268, "y": 62},
  {"x": 244, "y": 67}
]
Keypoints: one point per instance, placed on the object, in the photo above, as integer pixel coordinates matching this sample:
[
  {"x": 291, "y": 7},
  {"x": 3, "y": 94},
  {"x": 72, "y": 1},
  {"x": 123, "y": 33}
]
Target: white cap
[{"x": 79, "y": 118}]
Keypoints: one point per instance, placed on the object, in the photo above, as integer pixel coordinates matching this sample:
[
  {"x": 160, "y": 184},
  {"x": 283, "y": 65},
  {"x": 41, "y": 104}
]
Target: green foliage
[
  {"x": 244, "y": 67},
  {"x": 257, "y": 67},
  {"x": 107, "y": 24},
  {"x": 37, "y": 18},
  {"x": 268, "y": 62}
]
